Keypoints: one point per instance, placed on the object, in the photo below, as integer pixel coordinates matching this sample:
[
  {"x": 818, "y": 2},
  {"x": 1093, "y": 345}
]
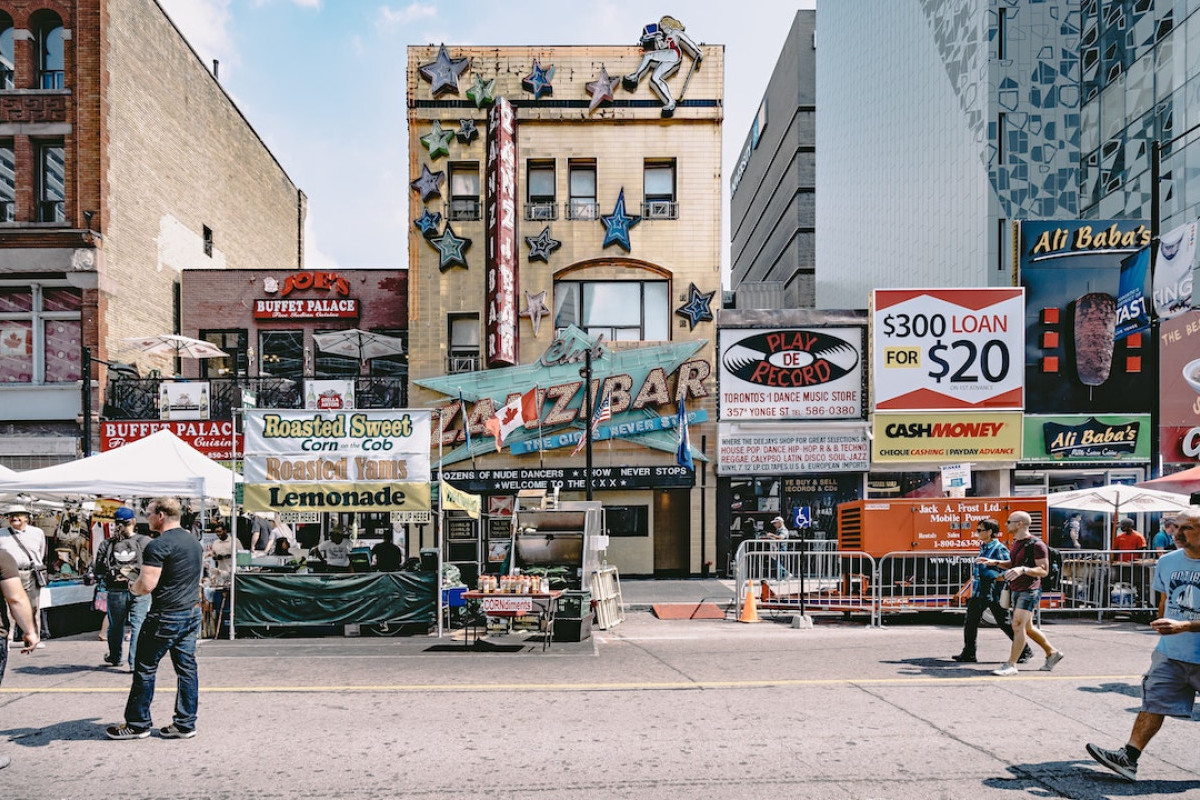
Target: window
[
  {"x": 207, "y": 234},
  {"x": 464, "y": 343},
  {"x": 582, "y": 184},
  {"x": 464, "y": 191},
  {"x": 391, "y": 366},
  {"x": 539, "y": 202},
  {"x": 8, "y": 183},
  {"x": 40, "y": 330},
  {"x": 658, "y": 190},
  {"x": 232, "y": 341},
  {"x": 282, "y": 354},
  {"x": 627, "y": 520},
  {"x": 7, "y": 75},
  {"x": 618, "y": 310},
  {"x": 48, "y": 30},
  {"x": 51, "y": 183},
  {"x": 1001, "y": 132},
  {"x": 1001, "y": 32}
]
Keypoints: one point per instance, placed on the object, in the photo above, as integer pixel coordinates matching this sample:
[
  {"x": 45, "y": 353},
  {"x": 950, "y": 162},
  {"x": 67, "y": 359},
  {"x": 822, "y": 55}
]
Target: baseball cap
[
  {"x": 124, "y": 514},
  {"x": 778, "y": 519}
]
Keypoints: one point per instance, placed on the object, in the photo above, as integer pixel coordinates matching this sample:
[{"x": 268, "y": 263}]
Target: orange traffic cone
[{"x": 750, "y": 607}]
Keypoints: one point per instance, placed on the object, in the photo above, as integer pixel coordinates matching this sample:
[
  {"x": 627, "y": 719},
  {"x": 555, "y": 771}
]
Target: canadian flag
[
  {"x": 513, "y": 415},
  {"x": 16, "y": 342}
]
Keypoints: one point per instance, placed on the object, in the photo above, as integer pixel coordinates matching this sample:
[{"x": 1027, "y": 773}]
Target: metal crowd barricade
[
  {"x": 805, "y": 575},
  {"x": 1107, "y": 581},
  {"x": 921, "y": 580}
]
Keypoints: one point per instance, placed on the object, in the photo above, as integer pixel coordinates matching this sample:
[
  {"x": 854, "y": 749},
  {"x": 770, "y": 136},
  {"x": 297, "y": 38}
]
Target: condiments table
[{"x": 510, "y": 605}]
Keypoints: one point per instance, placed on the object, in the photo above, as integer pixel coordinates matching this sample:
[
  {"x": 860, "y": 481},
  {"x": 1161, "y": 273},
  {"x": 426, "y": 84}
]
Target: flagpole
[
  {"x": 437, "y": 528},
  {"x": 537, "y": 400},
  {"x": 587, "y": 418}
]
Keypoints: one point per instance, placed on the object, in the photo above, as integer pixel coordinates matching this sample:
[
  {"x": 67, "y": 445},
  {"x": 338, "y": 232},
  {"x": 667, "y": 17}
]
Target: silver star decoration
[
  {"x": 450, "y": 249},
  {"x": 541, "y": 246},
  {"x": 600, "y": 89},
  {"x": 430, "y": 183},
  {"x": 437, "y": 141},
  {"x": 466, "y": 131},
  {"x": 443, "y": 72},
  {"x": 482, "y": 93},
  {"x": 535, "y": 309}
]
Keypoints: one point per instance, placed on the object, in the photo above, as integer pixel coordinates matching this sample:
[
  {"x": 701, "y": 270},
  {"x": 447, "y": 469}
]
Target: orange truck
[{"x": 924, "y": 549}]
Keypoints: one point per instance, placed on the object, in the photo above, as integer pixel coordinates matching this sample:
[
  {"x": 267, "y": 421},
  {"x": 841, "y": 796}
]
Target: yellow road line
[{"x": 592, "y": 687}]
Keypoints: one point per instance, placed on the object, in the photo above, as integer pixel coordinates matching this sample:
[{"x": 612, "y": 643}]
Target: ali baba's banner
[
  {"x": 946, "y": 437},
  {"x": 337, "y": 461}
]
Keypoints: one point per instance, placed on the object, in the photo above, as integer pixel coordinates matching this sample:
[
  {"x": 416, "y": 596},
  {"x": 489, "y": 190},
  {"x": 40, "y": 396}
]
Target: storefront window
[
  {"x": 232, "y": 342},
  {"x": 40, "y": 331},
  {"x": 332, "y": 365},
  {"x": 617, "y": 310},
  {"x": 392, "y": 366},
  {"x": 282, "y": 354}
]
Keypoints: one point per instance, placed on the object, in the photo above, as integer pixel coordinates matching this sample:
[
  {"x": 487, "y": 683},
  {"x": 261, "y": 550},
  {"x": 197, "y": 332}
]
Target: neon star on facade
[
  {"x": 538, "y": 80},
  {"x": 535, "y": 309},
  {"x": 437, "y": 141},
  {"x": 600, "y": 89},
  {"x": 442, "y": 73},
  {"x": 450, "y": 249},
  {"x": 541, "y": 246},
  {"x": 697, "y": 309},
  {"x": 430, "y": 183},
  {"x": 618, "y": 223}
]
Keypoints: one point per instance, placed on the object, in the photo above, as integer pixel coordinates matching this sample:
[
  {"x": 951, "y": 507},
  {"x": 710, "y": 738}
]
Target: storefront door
[{"x": 672, "y": 533}]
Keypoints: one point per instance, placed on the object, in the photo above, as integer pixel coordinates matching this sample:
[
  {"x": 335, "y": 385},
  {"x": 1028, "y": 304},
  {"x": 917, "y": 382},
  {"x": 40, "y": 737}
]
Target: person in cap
[
  {"x": 776, "y": 532},
  {"x": 117, "y": 564},
  {"x": 27, "y": 545}
]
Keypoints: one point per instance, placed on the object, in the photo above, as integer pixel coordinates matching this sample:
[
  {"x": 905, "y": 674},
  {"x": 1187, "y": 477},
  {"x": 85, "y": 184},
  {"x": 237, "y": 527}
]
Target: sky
[{"x": 322, "y": 82}]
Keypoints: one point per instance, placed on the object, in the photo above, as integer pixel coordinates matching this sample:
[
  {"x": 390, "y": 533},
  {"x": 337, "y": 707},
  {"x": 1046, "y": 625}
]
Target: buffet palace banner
[
  {"x": 948, "y": 438},
  {"x": 337, "y": 461}
]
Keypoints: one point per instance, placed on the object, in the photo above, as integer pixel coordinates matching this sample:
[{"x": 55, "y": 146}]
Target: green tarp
[{"x": 339, "y": 599}]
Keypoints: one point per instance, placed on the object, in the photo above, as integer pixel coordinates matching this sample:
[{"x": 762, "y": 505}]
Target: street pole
[
  {"x": 85, "y": 374},
  {"x": 1155, "y": 388},
  {"x": 587, "y": 416}
]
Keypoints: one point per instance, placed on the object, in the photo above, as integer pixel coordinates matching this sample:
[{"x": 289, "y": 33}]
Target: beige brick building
[
  {"x": 122, "y": 162},
  {"x": 649, "y": 305}
]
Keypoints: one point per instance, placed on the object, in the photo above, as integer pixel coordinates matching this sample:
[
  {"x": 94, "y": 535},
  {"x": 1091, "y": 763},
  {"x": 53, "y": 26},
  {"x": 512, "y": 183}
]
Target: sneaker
[
  {"x": 1026, "y": 655},
  {"x": 40, "y": 646},
  {"x": 112, "y": 663},
  {"x": 173, "y": 731},
  {"x": 4, "y": 761},
  {"x": 1006, "y": 670},
  {"x": 1052, "y": 660},
  {"x": 1116, "y": 760},
  {"x": 965, "y": 658},
  {"x": 126, "y": 732}
]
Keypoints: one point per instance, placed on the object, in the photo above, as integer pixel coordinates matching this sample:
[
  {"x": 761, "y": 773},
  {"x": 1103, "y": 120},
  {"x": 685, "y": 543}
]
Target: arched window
[
  {"x": 48, "y": 29},
  {"x": 6, "y": 51}
]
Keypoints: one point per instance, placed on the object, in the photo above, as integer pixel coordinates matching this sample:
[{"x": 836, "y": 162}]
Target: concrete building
[
  {"x": 567, "y": 212},
  {"x": 772, "y": 205},
  {"x": 940, "y": 124},
  {"x": 122, "y": 163}
]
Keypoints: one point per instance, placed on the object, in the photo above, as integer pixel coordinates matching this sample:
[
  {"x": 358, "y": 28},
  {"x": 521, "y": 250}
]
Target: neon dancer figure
[{"x": 664, "y": 45}]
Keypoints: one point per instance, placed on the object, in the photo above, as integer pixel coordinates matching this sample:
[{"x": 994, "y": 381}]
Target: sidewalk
[{"x": 640, "y": 594}]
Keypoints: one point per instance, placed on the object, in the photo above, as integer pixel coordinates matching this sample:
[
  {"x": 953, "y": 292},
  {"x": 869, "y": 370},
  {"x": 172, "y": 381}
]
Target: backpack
[{"x": 1052, "y": 581}]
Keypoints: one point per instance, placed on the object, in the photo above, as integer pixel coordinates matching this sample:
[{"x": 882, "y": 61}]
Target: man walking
[
  {"x": 118, "y": 563},
  {"x": 985, "y": 589},
  {"x": 27, "y": 545},
  {"x": 1024, "y": 569},
  {"x": 172, "y": 564},
  {"x": 1170, "y": 684},
  {"x": 17, "y": 603}
]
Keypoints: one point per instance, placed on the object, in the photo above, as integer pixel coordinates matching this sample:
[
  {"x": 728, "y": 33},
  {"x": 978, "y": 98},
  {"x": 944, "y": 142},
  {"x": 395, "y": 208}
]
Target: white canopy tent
[{"x": 162, "y": 464}]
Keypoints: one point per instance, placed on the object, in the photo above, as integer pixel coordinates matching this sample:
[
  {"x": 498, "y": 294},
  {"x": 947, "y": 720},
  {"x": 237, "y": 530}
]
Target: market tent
[
  {"x": 1116, "y": 498},
  {"x": 160, "y": 464},
  {"x": 1184, "y": 482}
]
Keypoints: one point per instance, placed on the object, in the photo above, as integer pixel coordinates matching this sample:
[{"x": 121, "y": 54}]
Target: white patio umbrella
[
  {"x": 173, "y": 344},
  {"x": 1117, "y": 498},
  {"x": 358, "y": 344}
]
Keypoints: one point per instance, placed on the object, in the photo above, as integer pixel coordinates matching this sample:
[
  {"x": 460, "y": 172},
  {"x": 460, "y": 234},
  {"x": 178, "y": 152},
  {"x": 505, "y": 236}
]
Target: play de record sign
[{"x": 949, "y": 349}]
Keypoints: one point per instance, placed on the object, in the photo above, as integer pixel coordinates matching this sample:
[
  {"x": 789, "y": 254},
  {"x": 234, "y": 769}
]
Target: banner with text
[
  {"x": 948, "y": 438},
  {"x": 215, "y": 437},
  {"x": 743, "y": 451}
]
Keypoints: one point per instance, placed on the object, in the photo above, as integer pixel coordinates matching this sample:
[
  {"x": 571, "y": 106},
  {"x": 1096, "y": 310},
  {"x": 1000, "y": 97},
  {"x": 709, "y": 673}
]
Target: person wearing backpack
[{"x": 117, "y": 564}]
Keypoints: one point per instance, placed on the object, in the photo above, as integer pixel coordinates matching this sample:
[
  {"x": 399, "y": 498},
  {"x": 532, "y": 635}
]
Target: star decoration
[
  {"x": 450, "y": 249},
  {"x": 538, "y": 80},
  {"x": 618, "y": 223},
  {"x": 430, "y": 183},
  {"x": 467, "y": 131},
  {"x": 600, "y": 89},
  {"x": 428, "y": 223},
  {"x": 697, "y": 309},
  {"x": 482, "y": 93},
  {"x": 443, "y": 72},
  {"x": 541, "y": 246},
  {"x": 437, "y": 141},
  {"x": 535, "y": 308}
]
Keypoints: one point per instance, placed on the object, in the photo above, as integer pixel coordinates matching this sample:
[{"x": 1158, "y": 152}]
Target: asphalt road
[{"x": 650, "y": 709}]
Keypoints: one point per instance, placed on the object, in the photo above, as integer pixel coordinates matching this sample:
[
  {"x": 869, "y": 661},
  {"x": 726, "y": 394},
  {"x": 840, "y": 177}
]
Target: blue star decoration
[
  {"x": 697, "y": 308},
  {"x": 430, "y": 183},
  {"x": 450, "y": 249},
  {"x": 443, "y": 72},
  {"x": 482, "y": 93},
  {"x": 428, "y": 223},
  {"x": 538, "y": 80},
  {"x": 600, "y": 89},
  {"x": 618, "y": 223},
  {"x": 467, "y": 132},
  {"x": 437, "y": 141},
  {"x": 535, "y": 309},
  {"x": 541, "y": 246}
]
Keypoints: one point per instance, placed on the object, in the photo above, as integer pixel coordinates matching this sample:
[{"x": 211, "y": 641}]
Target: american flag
[{"x": 603, "y": 413}]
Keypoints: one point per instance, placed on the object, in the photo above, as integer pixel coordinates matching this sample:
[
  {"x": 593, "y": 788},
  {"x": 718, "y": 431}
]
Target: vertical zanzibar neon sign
[{"x": 500, "y": 207}]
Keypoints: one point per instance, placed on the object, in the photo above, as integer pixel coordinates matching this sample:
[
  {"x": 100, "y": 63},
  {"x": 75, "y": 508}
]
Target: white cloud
[
  {"x": 409, "y": 13},
  {"x": 206, "y": 24}
]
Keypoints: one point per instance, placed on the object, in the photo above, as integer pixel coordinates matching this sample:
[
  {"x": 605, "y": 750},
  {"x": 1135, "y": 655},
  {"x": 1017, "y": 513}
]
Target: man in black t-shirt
[
  {"x": 171, "y": 568},
  {"x": 387, "y": 555}
]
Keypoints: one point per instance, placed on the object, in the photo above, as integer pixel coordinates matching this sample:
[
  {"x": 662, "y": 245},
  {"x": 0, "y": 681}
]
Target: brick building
[
  {"x": 567, "y": 200},
  {"x": 122, "y": 163}
]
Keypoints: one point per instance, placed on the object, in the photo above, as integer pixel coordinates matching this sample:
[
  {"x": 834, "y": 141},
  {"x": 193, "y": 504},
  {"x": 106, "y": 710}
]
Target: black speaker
[
  {"x": 429, "y": 559},
  {"x": 1194, "y": 499}
]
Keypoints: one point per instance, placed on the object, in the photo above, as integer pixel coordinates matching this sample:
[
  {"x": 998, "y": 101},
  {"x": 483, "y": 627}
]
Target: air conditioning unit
[
  {"x": 540, "y": 211},
  {"x": 660, "y": 209}
]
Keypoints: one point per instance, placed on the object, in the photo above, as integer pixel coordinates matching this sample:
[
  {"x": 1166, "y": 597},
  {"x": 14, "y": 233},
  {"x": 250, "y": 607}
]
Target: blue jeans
[
  {"x": 162, "y": 632},
  {"x": 124, "y": 607}
]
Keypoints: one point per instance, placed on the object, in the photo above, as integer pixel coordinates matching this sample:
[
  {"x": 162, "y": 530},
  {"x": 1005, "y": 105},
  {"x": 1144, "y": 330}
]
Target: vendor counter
[
  {"x": 372, "y": 598},
  {"x": 68, "y": 607}
]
